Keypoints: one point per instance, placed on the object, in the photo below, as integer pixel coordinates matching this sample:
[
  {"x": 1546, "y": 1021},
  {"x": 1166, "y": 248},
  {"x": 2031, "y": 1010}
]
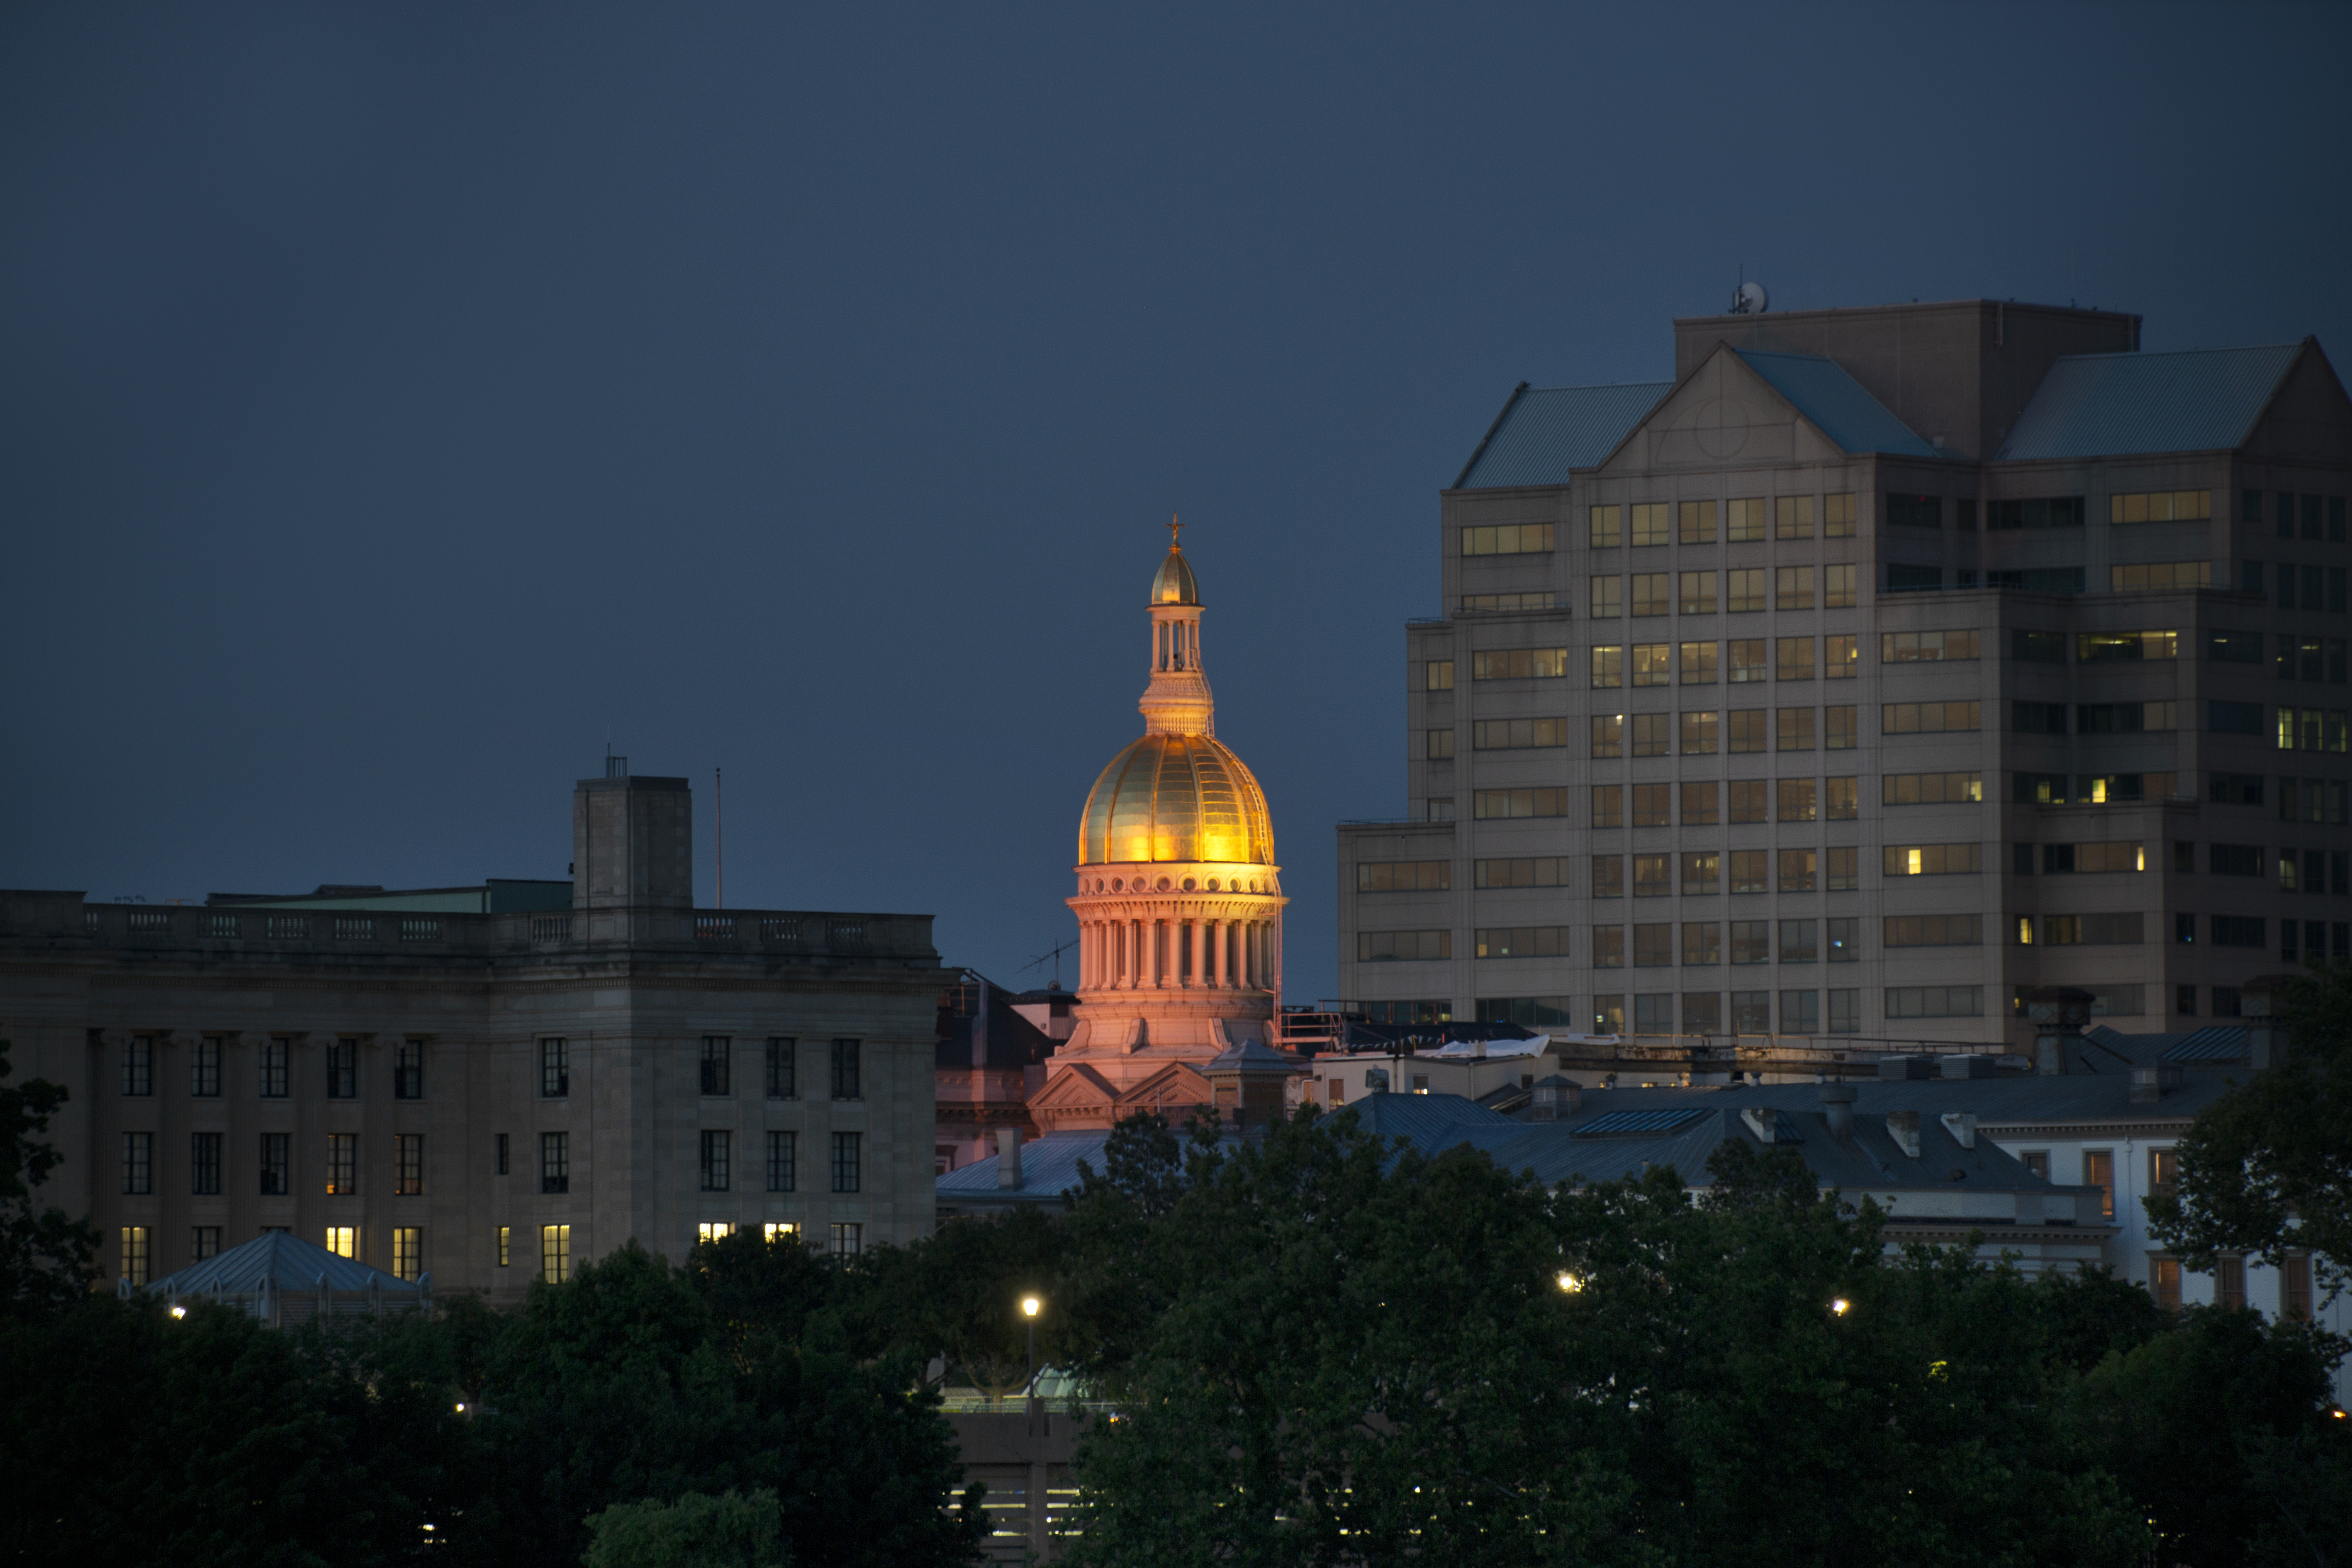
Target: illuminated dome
[
  {"x": 1176, "y": 797},
  {"x": 1174, "y": 585}
]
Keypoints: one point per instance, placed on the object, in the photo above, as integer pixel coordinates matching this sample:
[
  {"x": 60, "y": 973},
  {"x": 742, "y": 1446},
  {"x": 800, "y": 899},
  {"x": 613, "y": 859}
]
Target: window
[
  {"x": 343, "y": 1163},
  {"x": 1751, "y": 941},
  {"x": 1403, "y": 946},
  {"x": 343, "y": 1071},
  {"x": 1743, "y": 589},
  {"x": 1911, "y": 579},
  {"x": 1842, "y": 867},
  {"x": 1511, "y": 601},
  {"x": 1653, "y": 946},
  {"x": 1653, "y": 804},
  {"x": 2239, "y": 931},
  {"x": 408, "y": 1071},
  {"x": 1507, "y": 803},
  {"x": 1383, "y": 877},
  {"x": 1934, "y": 859},
  {"x": 1793, "y": 516},
  {"x": 1702, "y": 872},
  {"x": 715, "y": 1159},
  {"x": 1935, "y": 1002},
  {"x": 1792, "y": 658},
  {"x": 2038, "y": 718},
  {"x": 2295, "y": 1287},
  {"x": 1792, "y": 588},
  {"x": 1927, "y": 717},
  {"x": 1935, "y": 930},
  {"x": 1608, "y": 598},
  {"x": 1702, "y": 1012},
  {"x": 845, "y": 1162},
  {"x": 1519, "y": 664},
  {"x": 2054, "y": 511},
  {"x": 1693, "y": 593},
  {"x": 407, "y": 1251},
  {"x": 1608, "y": 528},
  {"x": 1649, "y": 738},
  {"x": 502, "y": 1153},
  {"x": 1914, "y": 511},
  {"x": 2161, "y": 506},
  {"x": 2125, "y": 647},
  {"x": 1608, "y": 876},
  {"x": 2164, "y": 1282},
  {"x": 1650, "y": 594},
  {"x": 134, "y": 1254},
  {"x": 1744, "y": 524},
  {"x": 1650, "y": 875},
  {"x": 1508, "y": 539},
  {"x": 1841, "y": 799},
  {"x": 783, "y": 1158},
  {"x": 1797, "y": 800},
  {"x": 780, "y": 1081},
  {"x": 204, "y": 1241},
  {"x": 1608, "y": 947},
  {"x": 139, "y": 1065},
  {"x": 555, "y": 1161},
  {"x": 2234, "y": 859},
  {"x": 1437, "y": 745},
  {"x": 1748, "y": 661},
  {"x": 1800, "y": 870},
  {"x": 203, "y": 1164},
  {"x": 2040, "y": 648},
  {"x": 2036, "y": 1163},
  {"x": 774, "y": 1231},
  {"x": 274, "y": 1068},
  {"x": 1839, "y": 586},
  {"x": 1441, "y": 809},
  {"x": 1699, "y": 803},
  {"x": 505, "y": 1236},
  {"x": 713, "y": 1230},
  {"x": 1930, "y": 789},
  {"x": 715, "y": 1050},
  {"x": 1652, "y": 663},
  {"x": 1437, "y": 675},
  {"x": 342, "y": 1240},
  {"x": 1533, "y": 871},
  {"x": 1748, "y": 796},
  {"x": 1747, "y": 870},
  {"x": 2230, "y": 1283},
  {"x": 205, "y": 1068},
  {"x": 1523, "y": 942},
  {"x": 2160, "y": 576},
  {"x": 1841, "y": 729},
  {"x": 1795, "y": 727},
  {"x": 1844, "y": 940},
  {"x": 1513, "y": 734},
  {"x": 408, "y": 1169},
  {"x": 1797, "y": 946},
  {"x": 2115, "y": 855},
  {"x": 554, "y": 1069},
  {"x": 1751, "y": 1012},
  {"x": 2234, "y": 647},
  {"x": 845, "y": 1079},
  {"x": 1701, "y": 735},
  {"x": 846, "y": 1238},
  {"x": 273, "y": 1174},
  {"x": 1696, "y": 661},
  {"x": 1608, "y": 667},
  {"x": 1697, "y": 523},
  {"x": 139, "y": 1162},
  {"x": 1746, "y": 730},
  {"x": 555, "y": 1253},
  {"x": 1650, "y": 525},
  {"x": 1845, "y": 1009},
  {"x": 1608, "y": 805},
  {"x": 1837, "y": 516}
]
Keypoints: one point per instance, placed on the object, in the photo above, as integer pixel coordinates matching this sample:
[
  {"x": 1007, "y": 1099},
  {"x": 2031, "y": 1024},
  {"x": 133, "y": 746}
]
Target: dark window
[
  {"x": 2339, "y": 873},
  {"x": 2037, "y": 789},
  {"x": 554, "y": 1069},
  {"x": 2050, "y": 511},
  {"x": 2057, "y": 858},
  {"x": 2038, "y": 718},
  {"x": 1902, "y": 578},
  {"x": 205, "y": 1164},
  {"x": 2234, "y": 718},
  {"x": 2020, "y": 860},
  {"x": 2184, "y": 929},
  {"x": 2184, "y": 1001},
  {"x": 139, "y": 1065},
  {"x": 715, "y": 1152},
  {"x": 783, "y": 1083},
  {"x": 408, "y": 1170},
  {"x": 2283, "y": 511},
  {"x": 2239, "y": 931},
  {"x": 2250, "y": 506},
  {"x": 502, "y": 1153},
  {"x": 1914, "y": 511},
  {"x": 783, "y": 1157},
  {"x": 1798, "y": 942},
  {"x": 2234, "y": 647},
  {"x": 845, "y": 1162},
  {"x": 274, "y": 1183},
  {"x": 343, "y": 1069},
  {"x": 2335, "y": 522},
  {"x": 846, "y": 1084},
  {"x": 2234, "y": 789},
  {"x": 1844, "y": 940},
  {"x": 555, "y": 1161},
  {"x": 204, "y": 1242},
  {"x": 408, "y": 1071},
  {"x": 2184, "y": 856},
  {"x": 205, "y": 1068},
  {"x": 343, "y": 1163},
  {"x": 716, "y": 1049},
  {"x": 2249, "y": 577},
  {"x": 2312, "y": 508},
  {"x": 2041, "y": 648},
  {"x": 274, "y": 1073},
  {"x": 2234, "y": 859}
]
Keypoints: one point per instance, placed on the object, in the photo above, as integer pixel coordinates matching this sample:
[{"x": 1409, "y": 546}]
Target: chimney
[
  {"x": 2152, "y": 1083},
  {"x": 632, "y": 842},
  {"x": 1478, "y": 1050},
  {"x": 1764, "y": 1121},
  {"x": 1903, "y": 1126},
  {"x": 1837, "y": 1109},
  {"x": 1962, "y": 1126},
  {"x": 1008, "y": 1158},
  {"x": 2258, "y": 1003}
]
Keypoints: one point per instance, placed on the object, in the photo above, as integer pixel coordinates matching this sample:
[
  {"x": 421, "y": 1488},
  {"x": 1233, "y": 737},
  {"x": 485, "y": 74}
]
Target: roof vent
[
  {"x": 1008, "y": 1157},
  {"x": 1903, "y": 1126},
  {"x": 1962, "y": 1126}
]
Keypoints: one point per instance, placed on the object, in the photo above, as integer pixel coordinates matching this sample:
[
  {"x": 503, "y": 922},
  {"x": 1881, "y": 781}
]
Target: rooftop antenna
[
  {"x": 718, "y": 790},
  {"x": 1057, "y": 956},
  {"x": 1749, "y": 299}
]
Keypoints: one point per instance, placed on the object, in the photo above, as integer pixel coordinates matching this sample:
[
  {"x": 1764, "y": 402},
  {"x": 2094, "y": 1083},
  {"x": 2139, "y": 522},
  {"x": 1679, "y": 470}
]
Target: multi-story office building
[
  {"x": 471, "y": 1082},
  {"x": 1882, "y": 664}
]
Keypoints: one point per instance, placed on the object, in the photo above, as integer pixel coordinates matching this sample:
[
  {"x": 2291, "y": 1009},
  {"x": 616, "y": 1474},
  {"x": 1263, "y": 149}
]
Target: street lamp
[
  {"x": 1570, "y": 1282},
  {"x": 1029, "y": 1305},
  {"x": 1840, "y": 1305}
]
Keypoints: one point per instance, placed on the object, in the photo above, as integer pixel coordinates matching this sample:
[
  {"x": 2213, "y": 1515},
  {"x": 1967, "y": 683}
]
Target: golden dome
[
  {"x": 1176, "y": 797},
  {"x": 1174, "y": 585}
]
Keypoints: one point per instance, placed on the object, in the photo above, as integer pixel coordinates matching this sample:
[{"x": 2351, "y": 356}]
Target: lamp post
[{"x": 1029, "y": 1305}]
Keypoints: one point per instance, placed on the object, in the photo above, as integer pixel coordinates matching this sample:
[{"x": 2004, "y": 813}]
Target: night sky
[{"x": 401, "y": 400}]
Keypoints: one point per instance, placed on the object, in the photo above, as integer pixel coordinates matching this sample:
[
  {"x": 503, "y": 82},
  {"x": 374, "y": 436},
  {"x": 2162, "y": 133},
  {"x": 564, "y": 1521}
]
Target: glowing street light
[
  {"x": 1839, "y": 1305},
  {"x": 179, "y": 1311},
  {"x": 1570, "y": 1282},
  {"x": 1029, "y": 1306}
]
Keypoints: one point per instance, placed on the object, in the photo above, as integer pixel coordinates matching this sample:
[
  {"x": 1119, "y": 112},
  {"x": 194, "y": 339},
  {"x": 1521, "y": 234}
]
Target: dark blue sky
[{"x": 394, "y": 400}]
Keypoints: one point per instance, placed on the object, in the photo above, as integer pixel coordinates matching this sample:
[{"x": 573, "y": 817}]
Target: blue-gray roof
[
  {"x": 286, "y": 1261},
  {"x": 2214, "y": 1043},
  {"x": 2106, "y": 405},
  {"x": 1840, "y": 406},
  {"x": 1545, "y": 433}
]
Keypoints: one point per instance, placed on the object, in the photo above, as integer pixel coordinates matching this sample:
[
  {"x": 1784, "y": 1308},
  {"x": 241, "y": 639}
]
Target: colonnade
[{"x": 1140, "y": 954}]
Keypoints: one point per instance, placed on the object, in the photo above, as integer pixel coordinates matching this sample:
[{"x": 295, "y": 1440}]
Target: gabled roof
[
  {"x": 286, "y": 1262},
  {"x": 1840, "y": 407},
  {"x": 1543, "y": 434},
  {"x": 2107, "y": 405}
]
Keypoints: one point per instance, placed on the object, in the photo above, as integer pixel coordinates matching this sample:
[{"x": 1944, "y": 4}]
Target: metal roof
[
  {"x": 1545, "y": 433},
  {"x": 2105, "y": 405},
  {"x": 1839, "y": 406},
  {"x": 2214, "y": 1043},
  {"x": 1616, "y": 1123},
  {"x": 286, "y": 1263}
]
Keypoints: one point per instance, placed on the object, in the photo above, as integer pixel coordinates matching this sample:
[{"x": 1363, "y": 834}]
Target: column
[
  {"x": 1150, "y": 930},
  {"x": 1241, "y": 954},
  {"x": 1221, "y": 932},
  {"x": 1200, "y": 934}
]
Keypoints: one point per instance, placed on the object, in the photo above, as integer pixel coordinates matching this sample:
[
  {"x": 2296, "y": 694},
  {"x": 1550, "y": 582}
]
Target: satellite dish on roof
[{"x": 1751, "y": 301}]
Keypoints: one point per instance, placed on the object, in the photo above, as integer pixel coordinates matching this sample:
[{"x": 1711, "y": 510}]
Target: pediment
[
  {"x": 1179, "y": 1084},
  {"x": 1071, "y": 1086},
  {"x": 1725, "y": 416},
  {"x": 2308, "y": 417}
]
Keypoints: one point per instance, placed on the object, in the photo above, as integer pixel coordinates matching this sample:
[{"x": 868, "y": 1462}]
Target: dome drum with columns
[{"x": 1178, "y": 900}]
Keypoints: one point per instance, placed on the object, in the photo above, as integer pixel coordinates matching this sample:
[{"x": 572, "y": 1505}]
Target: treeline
[{"x": 1317, "y": 1349}]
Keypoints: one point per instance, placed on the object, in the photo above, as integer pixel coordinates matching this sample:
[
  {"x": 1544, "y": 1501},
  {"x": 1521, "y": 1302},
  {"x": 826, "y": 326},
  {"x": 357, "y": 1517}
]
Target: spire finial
[{"x": 1175, "y": 531}]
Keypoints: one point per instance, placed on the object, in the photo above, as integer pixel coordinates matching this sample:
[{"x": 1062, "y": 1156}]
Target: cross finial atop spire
[{"x": 1175, "y": 531}]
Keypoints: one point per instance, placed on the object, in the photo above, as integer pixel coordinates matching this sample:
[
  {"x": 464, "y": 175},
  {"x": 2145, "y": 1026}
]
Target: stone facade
[{"x": 582, "y": 1032}]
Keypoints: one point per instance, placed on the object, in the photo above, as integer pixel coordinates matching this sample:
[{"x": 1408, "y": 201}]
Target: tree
[
  {"x": 2267, "y": 1169},
  {"x": 730, "y": 1531},
  {"x": 955, "y": 1296},
  {"x": 46, "y": 1255}
]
